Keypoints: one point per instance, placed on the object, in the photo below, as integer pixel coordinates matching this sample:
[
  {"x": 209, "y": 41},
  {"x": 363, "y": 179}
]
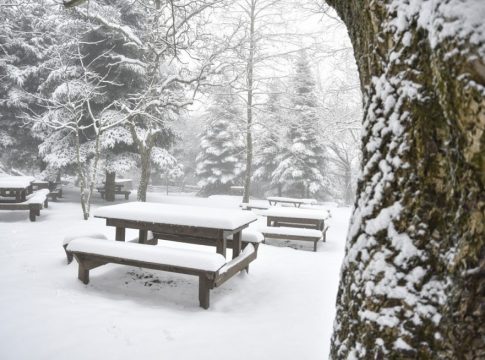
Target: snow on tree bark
[{"x": 412, "y": 282}]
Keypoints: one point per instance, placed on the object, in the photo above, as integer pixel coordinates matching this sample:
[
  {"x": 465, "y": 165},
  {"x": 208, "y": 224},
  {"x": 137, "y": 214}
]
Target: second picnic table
[
  {"x": 192, "y": 224},
  {"x": 305, "y": 218}
]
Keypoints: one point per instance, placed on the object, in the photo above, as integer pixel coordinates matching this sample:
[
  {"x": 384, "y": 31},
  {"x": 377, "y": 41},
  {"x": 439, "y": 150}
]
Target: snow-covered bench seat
[
  {"x": 34, "y": 203},
  {"x": 211, "y": 268},
  {"x": 150, "y": 240},
  {"x": 290, "y": 233}
]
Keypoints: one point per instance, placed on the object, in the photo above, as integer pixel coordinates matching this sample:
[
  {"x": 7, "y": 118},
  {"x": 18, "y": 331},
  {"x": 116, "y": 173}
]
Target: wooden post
[
  {"x": 221, "y": 244},
  {"x": 204, "y": 292},
  {"x": 83, "y": 274},
  {"x": 143, "y": 236},
  {"x": 120, "y": 234},
  {"x": 236, "y": 244},
  {"x": 32, "y": 214}
]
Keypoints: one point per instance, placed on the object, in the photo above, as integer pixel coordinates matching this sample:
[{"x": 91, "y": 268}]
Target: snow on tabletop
[
  {"x": 296, "y": 213},
  {"x": 248, "y": 250},
  {"x": 15, "y": 181},
  {"x": 192, "y": 259},
  {"x": 123, "y": 181},
  {"x": 287, "y": 199},
  {"x": 283, "y": 230},
  {"x": 197, "y": 216}
]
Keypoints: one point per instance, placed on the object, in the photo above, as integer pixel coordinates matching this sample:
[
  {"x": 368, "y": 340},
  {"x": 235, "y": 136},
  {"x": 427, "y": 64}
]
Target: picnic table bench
[
  {"x": 119, "y": 188},
  {"x": 290, "y": 233},
  {"x": 55, "y": 188},
  {"x": 273, "y": 200},
  {"x": 118, "y": 191},
  {"x": 15, "y": 188},
  {"x": 33, "y": 203},
  {"x": 211, "y": 268},
  {"x": 295, "y": 224}
]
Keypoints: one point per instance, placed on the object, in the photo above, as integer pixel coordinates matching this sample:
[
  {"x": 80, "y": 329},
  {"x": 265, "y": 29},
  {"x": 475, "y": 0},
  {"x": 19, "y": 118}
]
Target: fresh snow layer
[
  {"x": 178, "y": 215},
  {"x": 283, "y": 230},
  {"x": 296, "y": 213},
  {"x": 192, "y": 259},
  {"x": 284, "y": 307},
  {"x": 15, "y": 181},
  {"x": 288, "y": 199}
]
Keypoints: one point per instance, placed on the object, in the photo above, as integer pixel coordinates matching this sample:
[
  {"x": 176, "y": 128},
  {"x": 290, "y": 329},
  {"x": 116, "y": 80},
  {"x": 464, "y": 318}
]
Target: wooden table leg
[
  {"x": 221, "y": 244},
  {"x": 236, "y": 244},
  {"x": 143, "y": 236},
  {"x": 120, "y": 233}
]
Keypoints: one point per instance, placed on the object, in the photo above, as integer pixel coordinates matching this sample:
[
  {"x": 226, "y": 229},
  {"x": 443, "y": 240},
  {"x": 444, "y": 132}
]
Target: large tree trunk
[
  {"x": 413, "y": 278},
  {"x": 109, "y": 187}
]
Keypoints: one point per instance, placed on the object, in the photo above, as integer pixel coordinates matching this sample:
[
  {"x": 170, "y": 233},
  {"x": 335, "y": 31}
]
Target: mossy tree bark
[{"x": 413, "y": 278}]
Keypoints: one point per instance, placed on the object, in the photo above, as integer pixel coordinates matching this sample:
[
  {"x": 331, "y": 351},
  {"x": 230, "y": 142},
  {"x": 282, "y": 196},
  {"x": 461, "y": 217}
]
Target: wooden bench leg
[
  {"x": 142, "y": 236},
  {"x": 126, "y": 196},
  {"x": 46, "y": 203},
  {"x": 120, "y": 234},
  {"x": 32, "y": 214},
  {"x": 68, "y": 254},
  {"x": 83, "y": 274},
  {"x": 315, "y": 246},
  {"x": 204, "y": 292}
]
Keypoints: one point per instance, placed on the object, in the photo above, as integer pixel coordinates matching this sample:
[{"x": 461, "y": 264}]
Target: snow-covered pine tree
[
  {"x": 220, "y": 162},
  {"x": 269, "y": 140},
  {"x": 301, "y": 163}
]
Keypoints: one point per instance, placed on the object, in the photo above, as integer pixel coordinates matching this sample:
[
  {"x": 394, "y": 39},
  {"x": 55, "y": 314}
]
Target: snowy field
[{"x": 282, "y": 309}]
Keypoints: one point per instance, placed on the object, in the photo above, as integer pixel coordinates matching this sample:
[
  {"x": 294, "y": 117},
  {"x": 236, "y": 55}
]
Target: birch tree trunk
[
  {"x": 413, "y": 279},
  {"x": 249, "y": 105},
  {"x": 145, "y": 155}
]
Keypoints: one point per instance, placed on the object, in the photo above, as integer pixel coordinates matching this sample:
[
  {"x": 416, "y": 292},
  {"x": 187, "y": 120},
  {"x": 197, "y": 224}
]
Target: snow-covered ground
[{"x": 282, "y": 309}]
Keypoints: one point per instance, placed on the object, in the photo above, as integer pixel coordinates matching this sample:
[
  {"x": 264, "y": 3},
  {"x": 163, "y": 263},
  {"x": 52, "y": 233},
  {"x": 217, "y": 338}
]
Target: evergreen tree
[
  {"x": 27, "y": 34},
  {"x": 220, "y": 164},
  {"x": 269, "y": 142},
  {"x": 302, "y": 161}
]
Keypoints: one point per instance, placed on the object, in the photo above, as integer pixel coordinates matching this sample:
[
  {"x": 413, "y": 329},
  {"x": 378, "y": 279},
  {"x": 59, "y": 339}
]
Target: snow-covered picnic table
[
  {"x": 273, "y": 200},
  {"x": 277, "y": 216},
  {"x": 17, "y": 187},
  {"x": 195, "y": 224}
]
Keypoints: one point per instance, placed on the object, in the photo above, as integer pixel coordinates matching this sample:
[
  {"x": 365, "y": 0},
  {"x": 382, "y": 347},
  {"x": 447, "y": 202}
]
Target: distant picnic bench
[
  {"x": 55, "y": 188},
  {"x": 119, "y": 188},
  {"x": 273, "y": 200},
  {"x": 295, "y": 224},
  {"x": 16, "y": 193}
]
